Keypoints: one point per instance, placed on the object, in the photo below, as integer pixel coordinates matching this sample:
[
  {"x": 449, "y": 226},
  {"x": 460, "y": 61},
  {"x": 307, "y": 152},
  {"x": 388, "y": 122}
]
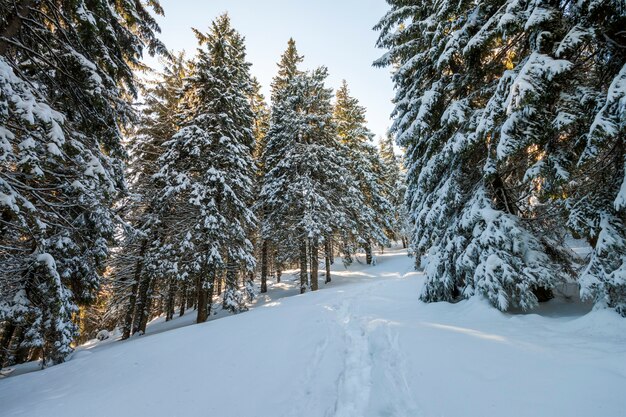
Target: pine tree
[
  {"x": 131, "y": 263},
  {"x": 300, "y": 195},
  {"x": 261, "y": 126},
  {"x": 594, "y": 116},
  {"x": 464, "y": 198},
  {"x": 287, "y": 70},
  {"x": 272, "y": 249},
  {"x": 371, "y": 212},
  {"x": 66, "y": 82},
  {"x": 207, "y": 168},
  {"x": 395, "y": 179}
]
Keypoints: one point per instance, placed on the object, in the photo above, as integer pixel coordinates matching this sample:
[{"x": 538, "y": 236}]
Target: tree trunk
[
  {"x": 220, "y": 283},
  {"x": 147, "y": 307},
  {"x": 203, "y": 295},
  {"x": 191, "y": 296},
  {"x": 327, "y": 255},
  {"x": 264, "y": 257},
  {"x": 314, "y": 265},
  {"x": 171, "y": 297},
  {"x": 303, "y": 266},
  {"x": 403, "y": 242},
  {"x": 368, "y": 253},
  {"x": 183, "y": 299},
  {"x": 140, "y": 306},
  {"x": 132, "y": 298},
  {"x": 5, "y": 342},
  {"x": 195, "y": 294},
  {"x": 20, "y": 354}
]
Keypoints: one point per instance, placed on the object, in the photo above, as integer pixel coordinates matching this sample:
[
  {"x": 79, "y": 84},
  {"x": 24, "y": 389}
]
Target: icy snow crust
[{"x": 362, "y": 346}]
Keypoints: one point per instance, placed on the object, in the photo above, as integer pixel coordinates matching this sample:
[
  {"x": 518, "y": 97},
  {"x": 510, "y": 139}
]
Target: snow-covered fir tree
[
  {"x": 371, "y": 212},
  {"x": 472, "y": 215},
  {"x": 261, "y": 126},
  {"x": 301, "y": 195},
  {"x": 207, "y": 169},
  {"x": 395, "y": 178},
  {"x": 66, "y": 82},
  {"x": 138, "y": 260},
  {"x": 274, "y": 251},
  {"x": 593, "y": 114}
]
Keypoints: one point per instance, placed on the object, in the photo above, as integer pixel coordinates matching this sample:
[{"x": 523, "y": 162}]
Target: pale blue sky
[{"x": 337, "y": 34}]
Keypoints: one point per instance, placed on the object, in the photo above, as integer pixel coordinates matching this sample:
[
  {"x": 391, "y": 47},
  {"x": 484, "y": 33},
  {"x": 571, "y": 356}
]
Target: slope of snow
[{"x": 361, "y": 346}]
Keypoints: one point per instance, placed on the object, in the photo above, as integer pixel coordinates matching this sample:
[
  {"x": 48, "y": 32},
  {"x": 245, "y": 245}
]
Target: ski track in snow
[
  {"x": 371, "y": 347},
  {"x": 355, "y": 381},
  {"x": 394, "y": 376}
]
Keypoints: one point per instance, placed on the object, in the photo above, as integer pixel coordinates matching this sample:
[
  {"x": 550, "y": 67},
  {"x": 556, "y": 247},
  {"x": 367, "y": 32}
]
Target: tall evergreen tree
[
  {"x": 371, "y": 212},
  {"x": 593, "y": 115},
  {"x": 395, "y": 179},
  {"x": 287, "y": 70},
  {"x": 207, "y": 168},
  {"x": 132, "y": 269},
  {"x": 451, "y": 60},
  {"x": 261, "y": 125},
  {"x": 66, "y": 82},
  {"x": 301, "y": 195}
]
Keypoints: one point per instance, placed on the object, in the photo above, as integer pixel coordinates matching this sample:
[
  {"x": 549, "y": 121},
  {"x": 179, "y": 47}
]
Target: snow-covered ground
[{"x": 361, "y": 346}]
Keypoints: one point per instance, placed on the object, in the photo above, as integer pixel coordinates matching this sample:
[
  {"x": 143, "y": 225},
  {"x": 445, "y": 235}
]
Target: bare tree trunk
[
  {"x": 132, "y": 298},
  {"x": 327, "y": 255},
  {"x": 303, "y": 266},
  {"x": 220, "y": 283},
  {"x": 403, "y": 242},
  {"x": 279, "y": 266},
  {"x": 183, "y": 299},
  {"x": 314, "y": 265},
  {"x": 264, "y": 250},
  {"x": 171, "y": 297},
  {"x": 368, "y": 253},
  {"x": 142, "y": 300},
  {"x": 191, "y": 297},
  {"x": 147, "y": 309},
  {"x": 203, "y": 295},
  {"x": 5, "y": 341},
  {"x": 195, "y": 294},
  {"x": 230, "y": 281}
]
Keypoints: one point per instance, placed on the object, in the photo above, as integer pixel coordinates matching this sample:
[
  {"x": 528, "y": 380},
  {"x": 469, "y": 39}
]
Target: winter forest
[{"x": 477, "y": 245}]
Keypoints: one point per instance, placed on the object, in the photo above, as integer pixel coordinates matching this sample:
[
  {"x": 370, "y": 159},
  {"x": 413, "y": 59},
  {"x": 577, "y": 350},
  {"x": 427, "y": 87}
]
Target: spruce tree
[
  {"x": 134, "y": 264},
  {"x": 304, "y": 168},
  {"x": 207, "y": 168},
  {"x": 66, "y": 82},
  {"x": 370, "y": 212},
  {"x": 261, "y": 125},
  {"x": 273, "y": 248},
  {"x": 463, "y": 198},
  {"x": 594, "y": 115},
  {"x": 394, "y": 178}
]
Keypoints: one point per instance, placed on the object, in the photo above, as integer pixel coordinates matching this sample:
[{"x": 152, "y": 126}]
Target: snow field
[{"x": 361, "y": 346}]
